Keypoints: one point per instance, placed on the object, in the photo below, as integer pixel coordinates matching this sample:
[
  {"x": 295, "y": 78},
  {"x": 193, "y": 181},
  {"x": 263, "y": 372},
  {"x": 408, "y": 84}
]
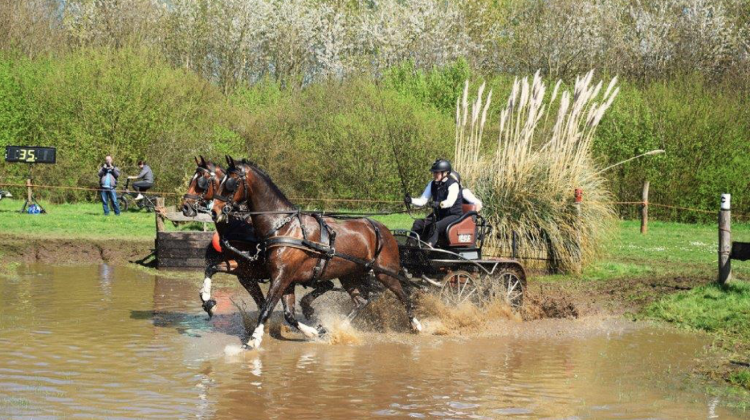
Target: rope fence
[{"x": 371, "y": 201}]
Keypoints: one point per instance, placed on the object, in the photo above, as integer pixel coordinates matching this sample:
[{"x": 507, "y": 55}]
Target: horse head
[
  {"x": 202, "y": 187},
  {"x": 248, "y": 186}
]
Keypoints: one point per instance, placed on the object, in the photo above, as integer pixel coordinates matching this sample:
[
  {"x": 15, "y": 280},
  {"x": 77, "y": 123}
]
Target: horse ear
[
  {"x": 203, "y": 162},
  {"x": 197, "y": 163}
]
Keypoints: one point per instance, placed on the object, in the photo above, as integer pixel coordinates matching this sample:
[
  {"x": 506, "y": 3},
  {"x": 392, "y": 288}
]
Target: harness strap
[
  {"x": 378, "y": 242},
  {"x": 306, "y": 245},
  {"x": 327, "y": 237}
]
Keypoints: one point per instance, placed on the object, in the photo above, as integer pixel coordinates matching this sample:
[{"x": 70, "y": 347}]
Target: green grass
[
  {"x": 81, "y": 220},
  {"x": 668, "y": 249},
  {"x": 711, "y": 308},
  {"x": 741, "y": 378}
]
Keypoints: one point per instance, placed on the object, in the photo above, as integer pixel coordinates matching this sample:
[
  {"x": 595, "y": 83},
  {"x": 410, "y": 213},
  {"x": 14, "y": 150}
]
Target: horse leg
[
  {"x": 307, "y": 300},
  {"x": 395, "y": 286},
  {"x": 360, "y": 298},
  {"x": 207, "y": 303},
  {"x": 290, "y": 314},
  {"x": 278, "y": 286},
  {"x": 253, "y": 288}
]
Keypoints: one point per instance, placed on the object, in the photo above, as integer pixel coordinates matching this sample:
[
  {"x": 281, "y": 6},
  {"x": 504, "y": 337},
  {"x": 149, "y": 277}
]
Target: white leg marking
[
  {"x": 206, "y": 289},
  {"x": 257, "y": 337},
  {"x": 416, "y": 325},
  {"x": 308, "y": 331}
]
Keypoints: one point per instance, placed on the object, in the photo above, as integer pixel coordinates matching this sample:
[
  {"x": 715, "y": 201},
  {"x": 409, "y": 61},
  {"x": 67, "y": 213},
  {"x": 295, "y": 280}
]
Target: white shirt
[
  {"x": 469, "y": 197},
  {"x": 427, "y": 194}
]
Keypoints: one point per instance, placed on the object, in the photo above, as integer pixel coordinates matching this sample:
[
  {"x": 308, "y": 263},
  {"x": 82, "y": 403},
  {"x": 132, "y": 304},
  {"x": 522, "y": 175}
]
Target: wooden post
[
  {"x": 159, "y": 216},
  {"x": 725, "y": 240},
  {"x": 644, "y": 208},
  {"x": 29, "y": 193}
]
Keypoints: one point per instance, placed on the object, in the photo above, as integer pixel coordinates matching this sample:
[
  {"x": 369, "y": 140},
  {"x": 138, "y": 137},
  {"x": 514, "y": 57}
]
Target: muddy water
[{"x": 111, "y": 342}]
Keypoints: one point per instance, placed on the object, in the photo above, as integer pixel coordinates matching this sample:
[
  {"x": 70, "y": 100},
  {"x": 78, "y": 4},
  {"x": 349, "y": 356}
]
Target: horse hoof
[
  {"x": 309, "y": 332},
  {"x": 416, "y": 326},
  {"x": 321, "y": 330},
  {"x": 210, "y": 307}
]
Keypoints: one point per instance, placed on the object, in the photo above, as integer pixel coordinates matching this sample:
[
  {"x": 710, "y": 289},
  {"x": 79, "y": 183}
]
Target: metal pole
[{"x": 725, "y": 240}]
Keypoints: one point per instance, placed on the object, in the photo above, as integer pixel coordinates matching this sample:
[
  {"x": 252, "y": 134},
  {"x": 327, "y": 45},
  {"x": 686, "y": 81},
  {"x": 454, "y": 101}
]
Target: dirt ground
[{"x": 62, "y": 251}]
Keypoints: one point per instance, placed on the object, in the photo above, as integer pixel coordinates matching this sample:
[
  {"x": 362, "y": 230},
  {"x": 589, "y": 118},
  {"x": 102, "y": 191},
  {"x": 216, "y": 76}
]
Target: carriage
[{"x": 456, "y": 266}]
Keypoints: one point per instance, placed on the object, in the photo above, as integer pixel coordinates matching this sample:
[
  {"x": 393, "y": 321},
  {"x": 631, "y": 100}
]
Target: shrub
[{"x": 527, "y": 183}]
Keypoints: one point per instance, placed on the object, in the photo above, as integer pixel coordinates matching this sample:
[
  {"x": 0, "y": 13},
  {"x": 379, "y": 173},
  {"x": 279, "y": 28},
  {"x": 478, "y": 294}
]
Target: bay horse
[
  {"x": 295, "y": 246},
  {"x": 201, "y": 189}
]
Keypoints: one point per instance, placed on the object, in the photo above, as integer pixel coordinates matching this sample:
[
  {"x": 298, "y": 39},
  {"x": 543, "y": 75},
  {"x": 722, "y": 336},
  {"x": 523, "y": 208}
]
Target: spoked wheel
[
  {"x": 458, "y": 287},
  {"x": 508, "y": 284}
]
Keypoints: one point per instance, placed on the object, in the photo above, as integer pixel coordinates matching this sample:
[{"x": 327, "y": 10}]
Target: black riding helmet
[{"x": 441, "y": 165}]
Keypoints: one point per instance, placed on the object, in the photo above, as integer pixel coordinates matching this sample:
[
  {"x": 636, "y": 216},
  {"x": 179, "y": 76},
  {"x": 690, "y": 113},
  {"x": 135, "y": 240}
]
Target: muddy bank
[{"x": 31, "y": 250}]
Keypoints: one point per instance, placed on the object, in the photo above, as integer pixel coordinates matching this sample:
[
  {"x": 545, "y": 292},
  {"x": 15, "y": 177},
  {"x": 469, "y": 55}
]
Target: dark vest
[{"x": 439, "y": 192}]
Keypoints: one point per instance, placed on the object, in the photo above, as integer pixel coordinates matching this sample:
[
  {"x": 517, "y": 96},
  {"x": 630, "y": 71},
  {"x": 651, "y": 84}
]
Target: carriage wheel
[
  {"x": 508, "y": 284},
  {"x": 458, "y": 287}
]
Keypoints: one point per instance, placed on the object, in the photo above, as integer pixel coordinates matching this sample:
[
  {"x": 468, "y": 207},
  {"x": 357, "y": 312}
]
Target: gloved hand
[{"x": 407, "y": 199}]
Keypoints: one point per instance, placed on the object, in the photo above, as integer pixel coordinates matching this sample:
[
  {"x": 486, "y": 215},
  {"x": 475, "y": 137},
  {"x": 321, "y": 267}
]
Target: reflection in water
[{"x": 104, "y": 341}]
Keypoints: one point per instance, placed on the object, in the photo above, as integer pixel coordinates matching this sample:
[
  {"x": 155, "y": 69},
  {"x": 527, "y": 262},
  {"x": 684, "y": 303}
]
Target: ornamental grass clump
[{"x": 527, "y": 180}]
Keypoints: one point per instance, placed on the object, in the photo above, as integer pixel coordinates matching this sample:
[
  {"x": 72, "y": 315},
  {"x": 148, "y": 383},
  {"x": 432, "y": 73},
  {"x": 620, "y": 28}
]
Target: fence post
[
  {"x": 725, "y": 240},
  {"x": 159, "y": 216},
  {"x": 29, "y": 191},
  {"x": 644, "y": 208}
]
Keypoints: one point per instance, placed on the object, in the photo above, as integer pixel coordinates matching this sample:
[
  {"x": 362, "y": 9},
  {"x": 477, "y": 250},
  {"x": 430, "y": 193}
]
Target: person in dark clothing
[
  {"x": 145, "y": 179},
  {"x": 108, "y": 174},
  {"x": 446, "y": 198}
]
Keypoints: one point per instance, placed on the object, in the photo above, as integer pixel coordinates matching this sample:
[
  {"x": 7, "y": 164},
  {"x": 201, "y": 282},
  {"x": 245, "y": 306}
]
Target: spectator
[
  {"x": 108, "y": 175},
  {"x": 145, "y": 179}
]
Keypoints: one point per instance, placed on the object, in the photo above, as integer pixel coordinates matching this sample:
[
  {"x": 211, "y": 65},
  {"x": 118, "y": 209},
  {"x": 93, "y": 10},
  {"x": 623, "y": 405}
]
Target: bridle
[
  {"x": 230, "y": 184},
  {"x": 232, "y": 207},
  {"x": 206, "y": 184}
]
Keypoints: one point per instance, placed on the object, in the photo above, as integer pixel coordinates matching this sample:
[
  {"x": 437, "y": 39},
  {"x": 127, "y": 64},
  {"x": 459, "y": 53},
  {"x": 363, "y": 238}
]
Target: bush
[
  {"x": 705, "y": 130},
  {"x": 351, "y": 140},
  {"x": 126, "y": 103}
]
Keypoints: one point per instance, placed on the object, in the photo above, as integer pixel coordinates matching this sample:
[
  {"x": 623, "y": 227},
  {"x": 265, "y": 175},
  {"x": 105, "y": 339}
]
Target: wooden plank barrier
[{"x": 183, "y": 250}]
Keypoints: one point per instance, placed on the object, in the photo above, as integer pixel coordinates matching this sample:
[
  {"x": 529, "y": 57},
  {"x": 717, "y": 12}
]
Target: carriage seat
[{"x": 463, "y": 232}]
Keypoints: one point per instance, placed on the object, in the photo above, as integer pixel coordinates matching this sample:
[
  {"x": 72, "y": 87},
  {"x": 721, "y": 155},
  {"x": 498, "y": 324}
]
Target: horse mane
[{"x": 269, "y": 183}]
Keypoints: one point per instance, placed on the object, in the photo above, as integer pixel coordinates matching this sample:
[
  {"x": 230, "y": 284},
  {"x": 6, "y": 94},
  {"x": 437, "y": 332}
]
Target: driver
[
  {"x": 446, "y": 197},
  {"x": 145, "y": 179}
]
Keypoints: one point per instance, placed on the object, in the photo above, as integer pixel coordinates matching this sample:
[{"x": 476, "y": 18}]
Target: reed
[{"x": 527, "y": 180}]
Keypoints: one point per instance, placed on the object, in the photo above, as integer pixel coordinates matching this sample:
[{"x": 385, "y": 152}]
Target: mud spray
[{"x": 387, "y": 315}]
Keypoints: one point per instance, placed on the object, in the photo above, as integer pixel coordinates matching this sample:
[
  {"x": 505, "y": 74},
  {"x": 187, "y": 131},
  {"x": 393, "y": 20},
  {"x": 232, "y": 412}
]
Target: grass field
[{"x": 81, "y": 220}]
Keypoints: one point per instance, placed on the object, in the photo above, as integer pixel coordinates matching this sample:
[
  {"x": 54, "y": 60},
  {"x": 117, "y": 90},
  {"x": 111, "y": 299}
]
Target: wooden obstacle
[{"x": 182, "y": 250}]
